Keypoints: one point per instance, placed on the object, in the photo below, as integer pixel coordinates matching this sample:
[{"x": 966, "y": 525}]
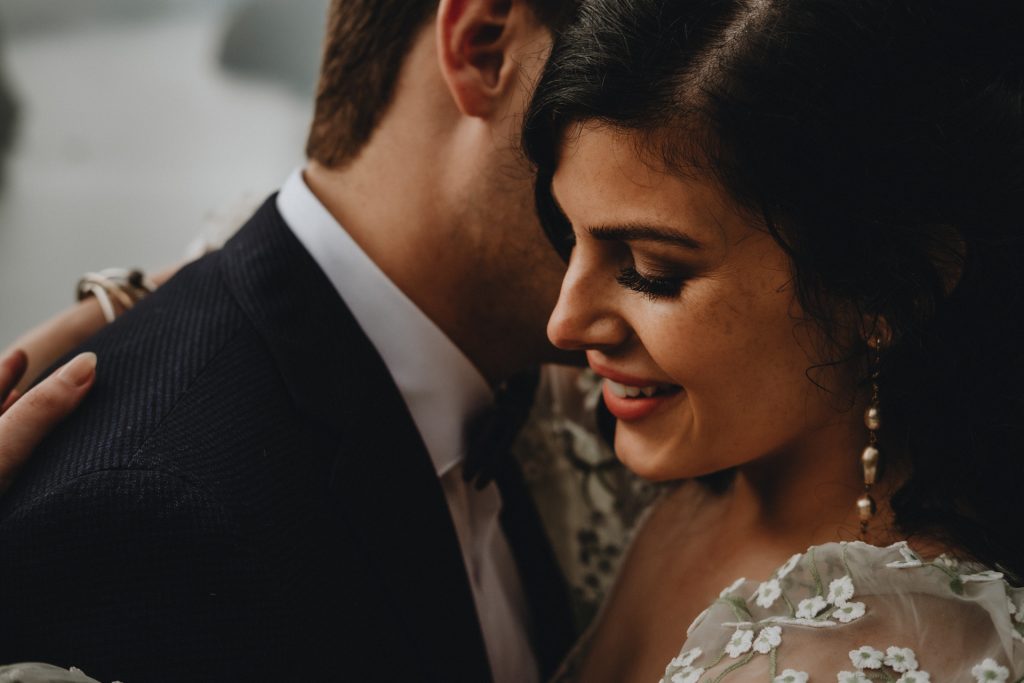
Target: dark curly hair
[{"x": 881, "y": 142}]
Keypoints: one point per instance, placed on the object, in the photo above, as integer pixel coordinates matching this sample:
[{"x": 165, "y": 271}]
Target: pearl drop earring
[{"x": 871, "y": 456}]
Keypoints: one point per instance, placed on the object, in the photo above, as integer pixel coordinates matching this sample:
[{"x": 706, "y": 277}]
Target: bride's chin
[{"x": 651, "y": 460}]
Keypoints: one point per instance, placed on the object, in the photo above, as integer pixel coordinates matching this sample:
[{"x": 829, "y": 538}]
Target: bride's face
[{"x": 672, "y": 290}]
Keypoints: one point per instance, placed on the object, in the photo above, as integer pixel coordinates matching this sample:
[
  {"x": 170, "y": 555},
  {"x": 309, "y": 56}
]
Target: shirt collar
[{"x": 440, "y": 386}]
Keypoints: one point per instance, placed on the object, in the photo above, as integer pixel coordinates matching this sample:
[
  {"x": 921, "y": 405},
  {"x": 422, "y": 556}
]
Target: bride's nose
[{"x": 585, "y": 316}]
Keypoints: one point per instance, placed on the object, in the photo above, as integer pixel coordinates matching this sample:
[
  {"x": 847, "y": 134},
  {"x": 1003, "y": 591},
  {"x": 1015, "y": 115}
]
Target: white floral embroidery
[
  {"x": 826, "y": 580},
  {"x": 739, "y": 643},
  {"x": 791, "y": 676},
  {"x": 850, "y": 611},
  {"x": 901, "y": 659},
  {"x": 810, "y": 607},
  {"x": 790, "y": 565},
  {"x": 905, "y": 564},
  {"x": 852, "y": 677},
  {"x": 910, "y": 558},
  {"x": 685, "y": 659},
  {"x": 733, "y": 587},
  {"x": 840, "y": 590},
  {"x": 866, "y": 657},
  {"x": 982, "y": 577},
  {"x": 990, "y": 670},
  {"x": 915, "y": 677},
  {"x": 790, "y": 621},
  {"x": 768, "y": 639},
  {"x": 768, "y": 592},
  {"x": 688, "y": 675}
]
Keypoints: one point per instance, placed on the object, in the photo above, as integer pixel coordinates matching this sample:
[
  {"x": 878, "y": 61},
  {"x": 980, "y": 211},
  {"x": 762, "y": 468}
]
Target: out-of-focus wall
[
  {"x": 8, "y": 113},
  {"x": 141, "y": 125}
]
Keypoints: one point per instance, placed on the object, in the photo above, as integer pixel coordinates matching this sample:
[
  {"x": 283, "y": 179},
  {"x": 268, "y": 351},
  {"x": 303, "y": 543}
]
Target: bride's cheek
[{"x": 695, "y": 343}]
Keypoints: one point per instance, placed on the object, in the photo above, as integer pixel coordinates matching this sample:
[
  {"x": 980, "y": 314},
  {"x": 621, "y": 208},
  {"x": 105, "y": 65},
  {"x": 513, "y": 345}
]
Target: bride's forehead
[{"x": 609, "y": 176}]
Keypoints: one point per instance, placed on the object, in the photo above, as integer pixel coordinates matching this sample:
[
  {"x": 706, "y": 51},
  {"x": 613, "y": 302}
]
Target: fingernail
[{"x": 79, "y": 370}]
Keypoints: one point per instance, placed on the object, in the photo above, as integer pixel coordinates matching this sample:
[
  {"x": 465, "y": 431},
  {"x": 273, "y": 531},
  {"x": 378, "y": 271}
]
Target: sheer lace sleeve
[{"x": 853, "y": 613}]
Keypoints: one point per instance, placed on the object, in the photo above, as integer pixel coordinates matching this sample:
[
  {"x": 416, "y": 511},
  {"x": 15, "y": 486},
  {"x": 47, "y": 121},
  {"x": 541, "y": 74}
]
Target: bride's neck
[{"x": 807, "y": 496}]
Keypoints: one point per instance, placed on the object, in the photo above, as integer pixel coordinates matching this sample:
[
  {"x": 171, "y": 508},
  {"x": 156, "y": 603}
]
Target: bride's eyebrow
[{"x": 639, "y": 232}]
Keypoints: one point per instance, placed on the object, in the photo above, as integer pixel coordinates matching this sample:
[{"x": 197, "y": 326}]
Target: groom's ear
[{"x": 474, "y": 39}]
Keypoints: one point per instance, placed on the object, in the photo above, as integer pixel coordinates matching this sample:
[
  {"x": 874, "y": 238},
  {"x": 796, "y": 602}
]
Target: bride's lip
[
  {"x": 622, "y": 378},
  {"x": 628, "y": 397}
]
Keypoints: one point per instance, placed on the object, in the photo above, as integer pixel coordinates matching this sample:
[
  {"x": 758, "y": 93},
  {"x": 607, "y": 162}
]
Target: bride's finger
[
  {"x": 33, "y": 417},
  {"x": 12, "y": 367},
  {"x": 11, "y": 398}
]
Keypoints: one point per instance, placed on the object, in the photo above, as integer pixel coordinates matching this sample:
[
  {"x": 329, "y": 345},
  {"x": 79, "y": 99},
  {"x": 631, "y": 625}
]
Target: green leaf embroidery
[
  {"x": 812, "y": 565},
  {"x": 739, "y": 608},
  {"x": 743, "y": 662},
  {"x": 790, "y": 605}
]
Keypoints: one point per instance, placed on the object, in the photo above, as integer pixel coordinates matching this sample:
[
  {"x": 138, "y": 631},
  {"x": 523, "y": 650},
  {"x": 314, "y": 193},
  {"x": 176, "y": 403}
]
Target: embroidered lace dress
[{"x": 853, "y": 613}]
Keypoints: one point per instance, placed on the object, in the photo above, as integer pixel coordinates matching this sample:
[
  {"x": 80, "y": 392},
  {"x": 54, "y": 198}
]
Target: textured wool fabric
[{"x": 244, "y": 496}]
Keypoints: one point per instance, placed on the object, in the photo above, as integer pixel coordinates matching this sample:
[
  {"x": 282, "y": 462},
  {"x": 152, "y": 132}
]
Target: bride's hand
[
  {"x": 66, "y": 331},
  {"x": 27, "y": 420}
]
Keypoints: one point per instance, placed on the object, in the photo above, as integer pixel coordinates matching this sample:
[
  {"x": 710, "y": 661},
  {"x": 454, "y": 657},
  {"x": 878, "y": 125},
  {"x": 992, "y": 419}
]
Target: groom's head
[
  {"x": 414, "y": 146},
  {"x": 365, "y": 49}
]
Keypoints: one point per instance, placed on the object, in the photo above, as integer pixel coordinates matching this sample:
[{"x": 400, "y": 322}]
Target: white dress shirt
[{"x": 442, "y": 390}]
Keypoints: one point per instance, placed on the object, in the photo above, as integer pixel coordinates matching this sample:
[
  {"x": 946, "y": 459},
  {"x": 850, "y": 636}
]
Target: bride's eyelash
[{"x": 659, "y": 287}]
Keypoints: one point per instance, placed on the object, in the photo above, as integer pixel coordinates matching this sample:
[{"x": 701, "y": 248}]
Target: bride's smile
[{"x": 685, "y": 306}]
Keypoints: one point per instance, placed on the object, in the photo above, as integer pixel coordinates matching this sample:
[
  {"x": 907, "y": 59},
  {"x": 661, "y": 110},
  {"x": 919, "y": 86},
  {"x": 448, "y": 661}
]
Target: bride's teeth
[
  {"x": 617, "y": 389},
  {"x": 627, "y": 391}
]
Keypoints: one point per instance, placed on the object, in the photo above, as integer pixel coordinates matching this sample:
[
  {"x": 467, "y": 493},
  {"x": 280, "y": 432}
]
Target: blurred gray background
[{"x": 128, "y": 128}]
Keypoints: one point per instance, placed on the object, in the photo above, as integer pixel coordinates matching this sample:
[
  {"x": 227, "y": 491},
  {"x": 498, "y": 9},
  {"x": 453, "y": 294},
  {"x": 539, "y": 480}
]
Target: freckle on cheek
[{"x": 717, "y": 321}]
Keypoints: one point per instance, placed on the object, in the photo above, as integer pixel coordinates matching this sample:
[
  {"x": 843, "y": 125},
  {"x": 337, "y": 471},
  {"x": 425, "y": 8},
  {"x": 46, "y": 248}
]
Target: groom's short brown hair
[{"x": 366, "y": 44}]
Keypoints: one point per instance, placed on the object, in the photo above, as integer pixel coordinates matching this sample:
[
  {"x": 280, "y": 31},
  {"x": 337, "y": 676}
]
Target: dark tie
[
  {"x": 489, "y": 459},
  {"x": 491, "y": 433}
]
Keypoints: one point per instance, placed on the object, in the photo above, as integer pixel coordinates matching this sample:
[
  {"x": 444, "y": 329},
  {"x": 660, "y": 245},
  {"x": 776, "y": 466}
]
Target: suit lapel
[{"x": 383, "y": 482}]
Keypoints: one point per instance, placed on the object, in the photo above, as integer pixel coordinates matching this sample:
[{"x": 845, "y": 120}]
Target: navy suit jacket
[{"x": 244, "y": 496}]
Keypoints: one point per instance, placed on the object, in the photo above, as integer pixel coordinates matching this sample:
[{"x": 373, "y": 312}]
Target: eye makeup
[{"x": 651, "y": 286}]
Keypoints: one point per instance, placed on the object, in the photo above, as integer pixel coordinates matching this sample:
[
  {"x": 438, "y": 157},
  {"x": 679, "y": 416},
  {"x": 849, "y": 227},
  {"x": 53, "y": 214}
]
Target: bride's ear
[{"x": 474, "y": 39}]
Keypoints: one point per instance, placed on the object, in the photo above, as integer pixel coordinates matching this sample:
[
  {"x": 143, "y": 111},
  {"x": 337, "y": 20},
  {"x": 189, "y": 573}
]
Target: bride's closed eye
[
  {"x": 653, "y": 254},
  {"x": 652, "y": 286}
]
